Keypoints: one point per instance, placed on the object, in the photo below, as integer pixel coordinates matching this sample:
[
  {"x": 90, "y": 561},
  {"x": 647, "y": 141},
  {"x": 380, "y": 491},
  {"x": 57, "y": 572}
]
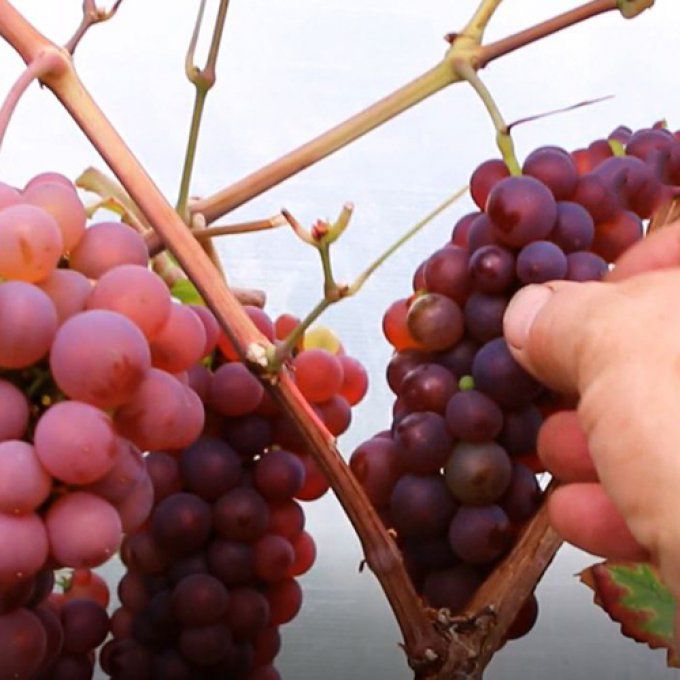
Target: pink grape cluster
[
  {"x": 212, "y": 576},
  {"x": 454, "y": 475},
  {"x": 98, "y": 364}
]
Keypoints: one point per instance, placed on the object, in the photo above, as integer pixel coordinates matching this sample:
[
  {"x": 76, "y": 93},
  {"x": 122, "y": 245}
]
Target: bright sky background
[{"x": 288, "y": 70}]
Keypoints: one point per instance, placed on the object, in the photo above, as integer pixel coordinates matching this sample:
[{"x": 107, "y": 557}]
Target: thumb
[{"x": 554, "y": 329}]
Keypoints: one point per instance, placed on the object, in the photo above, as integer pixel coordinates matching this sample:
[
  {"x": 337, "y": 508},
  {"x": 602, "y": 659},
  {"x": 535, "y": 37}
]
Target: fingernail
[{"x": 521, "y": 312}]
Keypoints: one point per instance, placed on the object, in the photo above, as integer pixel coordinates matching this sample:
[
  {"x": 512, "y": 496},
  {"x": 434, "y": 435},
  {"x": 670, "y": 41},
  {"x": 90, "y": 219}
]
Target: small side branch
[
  {"x": 44, "y": 63},
  {"x": 503, "y": 138},
  {"x": 91, "y": 15}
]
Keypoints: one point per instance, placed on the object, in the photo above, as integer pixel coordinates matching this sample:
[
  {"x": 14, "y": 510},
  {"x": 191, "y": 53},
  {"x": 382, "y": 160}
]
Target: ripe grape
[
  {"x": 395, "y": 328},
  {"x": 273, "y": 557},
  {"x": 279, "y": 475},
  {"x": 484, "y": 315},
  {"x": 199, "y": 600},
  {"x": 136, "y": 293},
  {"x": 14, "y": 412},
  {"x": 85, "y": 625},
  {"x": 68, "y": 290},
  {"x": 423, "y": 443},
  {"x": 99, "y": 357},
  {"x": 523, "y": 495},
  {"x": 451, "y": 588},
  {"x": 179, "y": 342},
  {"x": 106, "y": 245},
  {"x": 428, "y": 387},
  {"x": 484, "y": 178},
  {"x": 23, "y": 643},
  {"x": 585, "y": 266},
  {"x": 209, "y": 468},
  {"x": 62, "y": 203},
  {"x": 25, "y": 547},
  {"x": 28, "y": 322},
  {"x": 242, "y": 514},
  {"x": 30, "y": 243},
  {"x": 616, "y": 235},
  {"x": 75, "y": 442},
  {"x": 305, "y": 554},
  {"x": 479, "y": 535},
  {"x": 84, "y": 530},
  {"x": 521, "y": 210},
  {"x": 24, "y": 483},
  {"x": 574, "y": 228},
  {"x": 446, "y": 272},
  {"x": 555, "y": 168},
  {"x": 205, "y": 645},
  {"x": 459, "y": 234},
  {"x": 234, "y": 390},
  {"x": 435, "y": 321},
  {"x": 541, "y": 261},
  {"x": 181, "y": 523},
  {"x": 421, "y": 506},
  {"x": 354, "y": 380},
  {"x": 492, "y": 269},
  {"x": 285, "y": 600},
  {"x": 318, "y": 374},
  {"x": 473, "y": 417},
  {"x": 478, "y": 474}
]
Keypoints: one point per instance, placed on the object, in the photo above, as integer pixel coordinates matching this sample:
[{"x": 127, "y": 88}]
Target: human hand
[{"x": 616, "y": 344}]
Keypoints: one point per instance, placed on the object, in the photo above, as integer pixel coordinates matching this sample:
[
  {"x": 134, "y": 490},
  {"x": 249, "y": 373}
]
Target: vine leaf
[
  {"x": 633, "y": 595},
  {"x": 186, "y": 292}
]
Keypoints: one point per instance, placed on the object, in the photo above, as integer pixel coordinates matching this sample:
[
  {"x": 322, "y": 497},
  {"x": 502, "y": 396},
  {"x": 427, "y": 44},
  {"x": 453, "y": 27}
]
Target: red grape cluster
[
  {"x": 212, "y": 576},
  {"x": 454, "y": 476}
]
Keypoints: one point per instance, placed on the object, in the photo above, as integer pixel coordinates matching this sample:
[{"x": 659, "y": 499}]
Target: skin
[{"x": 615, "y": 344}]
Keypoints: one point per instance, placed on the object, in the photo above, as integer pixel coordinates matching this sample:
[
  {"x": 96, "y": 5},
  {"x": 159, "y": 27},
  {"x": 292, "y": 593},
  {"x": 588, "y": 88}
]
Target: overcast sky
[{"x": 288, "y": 70}]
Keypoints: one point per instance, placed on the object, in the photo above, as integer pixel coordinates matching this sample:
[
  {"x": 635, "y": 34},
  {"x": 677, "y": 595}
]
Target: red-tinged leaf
[{"x": 634, "y": 596}]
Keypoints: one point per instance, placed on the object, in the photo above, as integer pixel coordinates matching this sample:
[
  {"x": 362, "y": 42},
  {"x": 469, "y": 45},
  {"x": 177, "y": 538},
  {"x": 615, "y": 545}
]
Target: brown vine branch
[
  {"x": 423, "y": 642},
  {"x": 91, "y": 15},
  {"x": 387, "y": 108}
]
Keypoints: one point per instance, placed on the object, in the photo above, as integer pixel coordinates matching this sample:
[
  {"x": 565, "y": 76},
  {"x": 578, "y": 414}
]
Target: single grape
[
  {"x": 68, "y": 290},
  {"x": 480, "y": 534},
  {"x": 522, "y": 210},
  {"x": 234, "y": 390},
  {"x": 473, "y": 417},
  {"x": 305, "y": 554},
  {"x": 498, "y": 375},
  {"x": 484, "y": 316},
  {"x": 458, "y": 359},
  {"x": 484, "y": 178},
  {"x": 199, "y": 600},
  {"x": 162, "y": 413},
  {"x": 480, "y": 233},
  {"x": 127, "y": 470},
  {"x": 451, "y": 588},
  {"x": 13, "y": 411},
  {"x": 163, "y": 469},
  {"x": 428, "y": 387},
  {"x": 435, "y": 321},
  {"x": 262, "y": 322},
  {"x": 446, "y": 272},
  {"x": 585, "y": 266},
  {"x": 249, "y": 435},
  {"x": 285, "y": 600},
  {"x": 541, "y": 261},
  {"x": 241, "y": 514},
  {"x": 421, "y": 506},
  {"x": 83, "y": 529},
  {"x": 492, "y": 269},
  {"x": 335, "y": 413},
  {"x": 279, "y": 475},
  {"x": 210, "y": 326},
  {"x": 141, "y": 552},
  {"x": 555, "y": 168},
  {"x": 459, "y": 234},
  {"x": 594, "y": 194},
  {"x": 395, "y": 328},
  {"x": 99, "y": 357},
  {"x": 75, "y": 442},
  {"x": 23, "y": 643},
  {"x": 105, "y": 246},
  {"x": 62, "y": 203},
  {"x": 478, "y": 474},
  {"x": 318, "y": 374},
  {"x": 520, "y": 430},
  {"x": 30, "y": 243},
  {"x": 231, "y": 562},
  {"x": 354, "y": 380},
  {"x": 28, "y": 322},
  {"x": 85, "y": 625},
  {"x": 614, "y": 237},
  {"x": 205, "y": 645},
  {"x": 181, "y": 523},
  {"x": 25, "y": 547},
  {"x": 286, "y": 519},
  {"x": 24, "y": 483},
  {"x": 401, "y": 363},
  {"x": 247, "y": 613},
  {"x": 273, "y": 558},
  {"x": 375, "y": 465},
  {"x": 135, "y": 292},
  {"x": 423, "y": 443},
  {"x": 523, "y": 495},
  {"x": 574, "y": 228},
  {"x": 179, "y": 342},
  {"x": 524, "y": 620},
  {"x": 135, "y": 507},
  {"x": 647, "y": 143},
  {"x": 209, "y": 468}
]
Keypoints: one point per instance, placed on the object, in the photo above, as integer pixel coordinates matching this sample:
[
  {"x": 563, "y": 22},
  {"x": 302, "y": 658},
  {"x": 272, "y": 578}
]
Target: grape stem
[
  {"x": 334, "y": 292},
  {"x": 45, "y": 62},
  {"x": 155, "y": 245},
  {"x": 425, "y": 645},
  {"x": 424, "y": 86},
  {"x": 203, "y": 80},
  {"x": 91, "y": 15},
  {"x": 503, "y": 137}
]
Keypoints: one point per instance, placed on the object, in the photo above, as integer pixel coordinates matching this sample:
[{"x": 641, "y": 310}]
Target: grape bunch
[
  {"x": 212, "y": 575},
  {"x": 119, "y": 416},
  {"x": 454, "y": 476}
]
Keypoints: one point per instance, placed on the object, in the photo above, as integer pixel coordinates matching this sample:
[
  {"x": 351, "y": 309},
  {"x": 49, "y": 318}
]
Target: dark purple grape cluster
[
  {"x": 454, "y": 474},
  {"x": 212, "y": 575}
]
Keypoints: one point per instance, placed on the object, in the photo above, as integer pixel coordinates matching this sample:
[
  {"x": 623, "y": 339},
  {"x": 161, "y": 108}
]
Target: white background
[{"x": 289, "y": 70}]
